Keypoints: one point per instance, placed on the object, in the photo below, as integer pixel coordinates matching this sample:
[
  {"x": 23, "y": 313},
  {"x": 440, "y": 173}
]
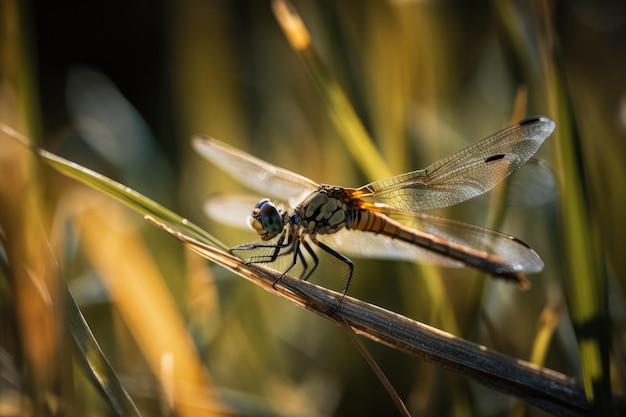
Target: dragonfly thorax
[{"x": 323, "y": 211}]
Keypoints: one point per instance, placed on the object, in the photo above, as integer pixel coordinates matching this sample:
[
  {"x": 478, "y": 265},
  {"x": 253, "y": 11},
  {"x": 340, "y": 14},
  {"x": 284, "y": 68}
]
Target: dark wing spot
[
  {"x": 494, "y": 157},
  {"x": 530, "y": 120}
]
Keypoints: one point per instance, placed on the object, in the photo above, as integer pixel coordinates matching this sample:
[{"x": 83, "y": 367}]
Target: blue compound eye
[{"x": 270, "y": 218}]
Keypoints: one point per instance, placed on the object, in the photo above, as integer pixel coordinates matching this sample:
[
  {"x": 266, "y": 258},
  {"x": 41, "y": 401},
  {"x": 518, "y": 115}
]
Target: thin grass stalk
[
  {"x": 95, "y": 363},
  {"x": 586, "y": 280},
  {"x": 339, "y": 108}
]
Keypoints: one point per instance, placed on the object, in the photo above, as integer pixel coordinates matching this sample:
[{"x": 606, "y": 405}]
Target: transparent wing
[
  {"x": 515, "y": 253},
  {"x": 467, "y": 173},
  {"x": 254, "y": 173},
  {"x": 532, "y": 186},
  {"x": 231, "y": 209}
]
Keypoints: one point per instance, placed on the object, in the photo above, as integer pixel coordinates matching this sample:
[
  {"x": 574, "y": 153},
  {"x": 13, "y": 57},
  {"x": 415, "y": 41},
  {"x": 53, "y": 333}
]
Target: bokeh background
[{"x": 120, "y": 87}]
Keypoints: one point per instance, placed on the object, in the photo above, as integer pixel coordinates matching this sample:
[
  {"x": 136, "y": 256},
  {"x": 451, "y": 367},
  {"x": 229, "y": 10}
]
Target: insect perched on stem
[{"x": 385, "y": 219}]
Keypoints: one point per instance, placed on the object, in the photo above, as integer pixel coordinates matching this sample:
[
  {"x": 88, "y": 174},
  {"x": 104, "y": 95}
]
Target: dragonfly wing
[
  {"x": 231, "y": 210},
  {"x": 362, "y": 244},
  {"x": 466, "y": 174},
  {"x": 254, "y": 173},
  {"x": 532, "y": 186}
]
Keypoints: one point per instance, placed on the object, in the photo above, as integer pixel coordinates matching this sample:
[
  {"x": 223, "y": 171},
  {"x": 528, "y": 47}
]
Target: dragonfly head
[{"x": 266, "y": 220}]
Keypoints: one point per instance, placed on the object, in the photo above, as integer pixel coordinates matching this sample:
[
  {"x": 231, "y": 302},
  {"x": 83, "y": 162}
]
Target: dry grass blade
[
  {"x": 543, "y": 388},
  {"x": 374, "y": 365}
]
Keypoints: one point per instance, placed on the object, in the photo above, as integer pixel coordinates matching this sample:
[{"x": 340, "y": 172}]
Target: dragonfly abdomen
[{"x": 370, "y": 221}]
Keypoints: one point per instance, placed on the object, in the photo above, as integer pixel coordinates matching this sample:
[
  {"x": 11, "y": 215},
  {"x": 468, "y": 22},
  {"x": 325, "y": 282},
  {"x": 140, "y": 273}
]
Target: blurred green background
[{"x": 120, "y": 87}]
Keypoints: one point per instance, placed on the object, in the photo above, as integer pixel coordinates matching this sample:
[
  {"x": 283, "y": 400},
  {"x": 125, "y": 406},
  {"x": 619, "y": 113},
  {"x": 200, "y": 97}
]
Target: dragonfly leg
[
  {"x": 316, "y": 260},
  {"x": 264, "y": 258},
  {"x": 297, "y": 253},
  {"x": 343, "y": 259},
  {"x": 292, "y": 245}
]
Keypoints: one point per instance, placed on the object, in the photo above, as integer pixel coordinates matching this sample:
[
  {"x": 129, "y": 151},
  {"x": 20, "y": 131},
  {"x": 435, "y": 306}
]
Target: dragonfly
[{"x": 387, "y": 218}]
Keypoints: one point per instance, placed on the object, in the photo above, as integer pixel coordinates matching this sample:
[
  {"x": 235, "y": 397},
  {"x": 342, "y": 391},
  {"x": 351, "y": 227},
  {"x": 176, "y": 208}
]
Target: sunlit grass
[{"x": 418, "y": 81}]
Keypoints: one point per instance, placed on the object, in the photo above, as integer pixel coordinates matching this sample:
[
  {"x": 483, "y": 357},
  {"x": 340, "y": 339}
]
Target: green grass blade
[
  {"x": 586, "y": 278},
  {"x": 95, "y": 362},
  {"x": 126, "y": 195},
  {"x": 120, "y": 192},
  {"x": 341, "y": 112}
]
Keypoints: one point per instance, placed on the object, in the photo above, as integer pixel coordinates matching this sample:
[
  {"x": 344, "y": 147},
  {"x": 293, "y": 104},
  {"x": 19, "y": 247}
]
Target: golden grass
[{"x": 416, "y": 81}]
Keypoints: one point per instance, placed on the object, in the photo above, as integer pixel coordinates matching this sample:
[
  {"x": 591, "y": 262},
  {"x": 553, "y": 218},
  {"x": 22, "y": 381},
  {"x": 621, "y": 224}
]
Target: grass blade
[
  {"x": 135, "y": 295},
  {"x": 543, "y": 388},
  {"x": 120, "y": 192},
  {"x": 339, "y": 108},
  {"x": 96, "y": 363},
  {"x": 586, "y": 278}
]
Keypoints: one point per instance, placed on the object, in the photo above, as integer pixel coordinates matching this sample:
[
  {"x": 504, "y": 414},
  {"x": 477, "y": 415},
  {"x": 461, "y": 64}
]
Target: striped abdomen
[{"x": 374, "y": 222}]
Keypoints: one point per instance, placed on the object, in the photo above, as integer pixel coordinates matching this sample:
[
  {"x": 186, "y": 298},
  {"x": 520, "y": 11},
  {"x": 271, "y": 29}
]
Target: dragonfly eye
[
  {"x": 261, "y": 203},
  {"x": 270, "y": 218}
]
